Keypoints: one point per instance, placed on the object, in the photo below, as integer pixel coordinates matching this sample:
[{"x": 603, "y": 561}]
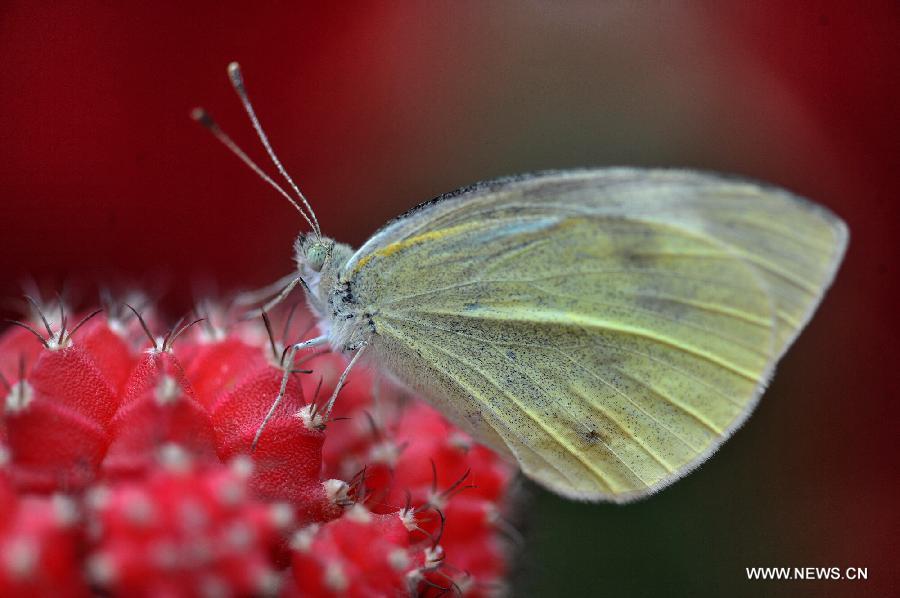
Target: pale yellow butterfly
[{"x": 607, "y": 328}]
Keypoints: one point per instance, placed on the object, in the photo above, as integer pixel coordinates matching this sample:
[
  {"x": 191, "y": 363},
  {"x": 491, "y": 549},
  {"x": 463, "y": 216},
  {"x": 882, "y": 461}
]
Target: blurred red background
[{"x": 376, "y": 107}]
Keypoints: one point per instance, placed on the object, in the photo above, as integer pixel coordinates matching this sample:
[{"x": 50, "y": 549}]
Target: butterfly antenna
[
  {"x": 237, "y": 81},
  {"x": 206, "y": 120}
]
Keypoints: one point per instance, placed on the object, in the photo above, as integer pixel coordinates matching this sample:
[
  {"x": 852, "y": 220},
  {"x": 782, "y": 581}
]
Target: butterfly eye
[{"x": 315, "y": 256}]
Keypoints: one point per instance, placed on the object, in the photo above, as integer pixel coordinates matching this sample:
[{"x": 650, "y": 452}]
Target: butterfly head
[
  {"x": 312, "y": 253},
  {"x": 320, "y": 257},
  {"x": 319, "y": 263},
  {"x": 316, "y": 253}
]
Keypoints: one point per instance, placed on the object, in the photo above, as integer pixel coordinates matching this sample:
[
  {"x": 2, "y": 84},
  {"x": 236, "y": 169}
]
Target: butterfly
[{"x": 606, "y": 328}]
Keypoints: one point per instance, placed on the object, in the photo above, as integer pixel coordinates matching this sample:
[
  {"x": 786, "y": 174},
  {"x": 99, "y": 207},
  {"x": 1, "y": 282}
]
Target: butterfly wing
[{"x": 609, "y": 328}]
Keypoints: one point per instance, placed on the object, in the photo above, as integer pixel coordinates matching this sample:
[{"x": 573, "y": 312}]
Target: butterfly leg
[
  {"x": 343, "y": 379},
  {"x": 313, "y": 342},
  {"x": 260, "y": 295},
  {"x": 283, "y": 294}
]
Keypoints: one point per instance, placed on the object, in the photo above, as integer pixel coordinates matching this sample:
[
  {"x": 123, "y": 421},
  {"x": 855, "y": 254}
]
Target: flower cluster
[{"x": 128, "y": 467}]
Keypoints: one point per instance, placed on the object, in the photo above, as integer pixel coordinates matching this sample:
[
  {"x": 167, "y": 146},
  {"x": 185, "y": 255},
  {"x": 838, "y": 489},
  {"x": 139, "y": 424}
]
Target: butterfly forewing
[{"x": 608, "y": 328}]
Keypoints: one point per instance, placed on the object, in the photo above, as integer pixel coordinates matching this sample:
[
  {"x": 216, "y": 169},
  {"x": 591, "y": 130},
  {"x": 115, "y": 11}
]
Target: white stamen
[
  {"x": 460, "y": 441},
  {"x": 335, "y": 578},
  {"x": 64, "y": 509},
  {"x": 303, "y": 538},
  {"x": 97, "y": 498},
  {"x": 311, "y": 421},
  {"x": 359, "y": 514},
  {"x": 386, "y": 452},
  {"x": 281, "y": 515},
  {"x": 434, "y": 556},
  {"x": 240, "y": 535},
  {"x": 139, "y": 510},
  {"x": 19, "y": 397},
  {"x": 398, "y": 559},
  {"x": 101, "y": 569},
  {"x": 242, "y": 466},
  {"x": 167, "y": 390},
  {"x": 231, "y": 492},
  {"x": 174, "y": 458},
  {"x": 268, "y": 583},
  {"x": 20, "y": 558},
  {"x": 337, "y": 491},
  {"x": 408, "y": 519}
]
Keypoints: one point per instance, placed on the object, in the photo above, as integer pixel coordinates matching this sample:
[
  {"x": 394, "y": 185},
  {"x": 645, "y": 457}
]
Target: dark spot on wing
[
  {"x": 636, "y": 258},
  {"x": 593, "y": 437},
  {"x": 639, "y": 247}
]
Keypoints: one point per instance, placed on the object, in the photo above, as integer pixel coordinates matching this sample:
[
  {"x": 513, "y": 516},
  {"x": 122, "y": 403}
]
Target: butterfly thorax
[{"x": 332, "y": 300}]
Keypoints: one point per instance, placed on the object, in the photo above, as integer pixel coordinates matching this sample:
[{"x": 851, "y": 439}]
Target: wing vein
[
  {"x": 647, "y": 271},
  {"x": 548, "y": 430},
  {"x": 473, "y": 392},
  {"x": 626, "y": 307},
  {"x": 671, "y": 400},
  {"x": 555, "y": 317},
  {"x": 711, "y": 308},
  {"x": 662, "y": 362},
  {"x": 636, "y": 406}
]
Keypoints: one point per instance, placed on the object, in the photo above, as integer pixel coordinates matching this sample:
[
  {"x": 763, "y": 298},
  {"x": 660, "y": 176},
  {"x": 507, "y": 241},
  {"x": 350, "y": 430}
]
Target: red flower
[{"x": 133, "y": 470}]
